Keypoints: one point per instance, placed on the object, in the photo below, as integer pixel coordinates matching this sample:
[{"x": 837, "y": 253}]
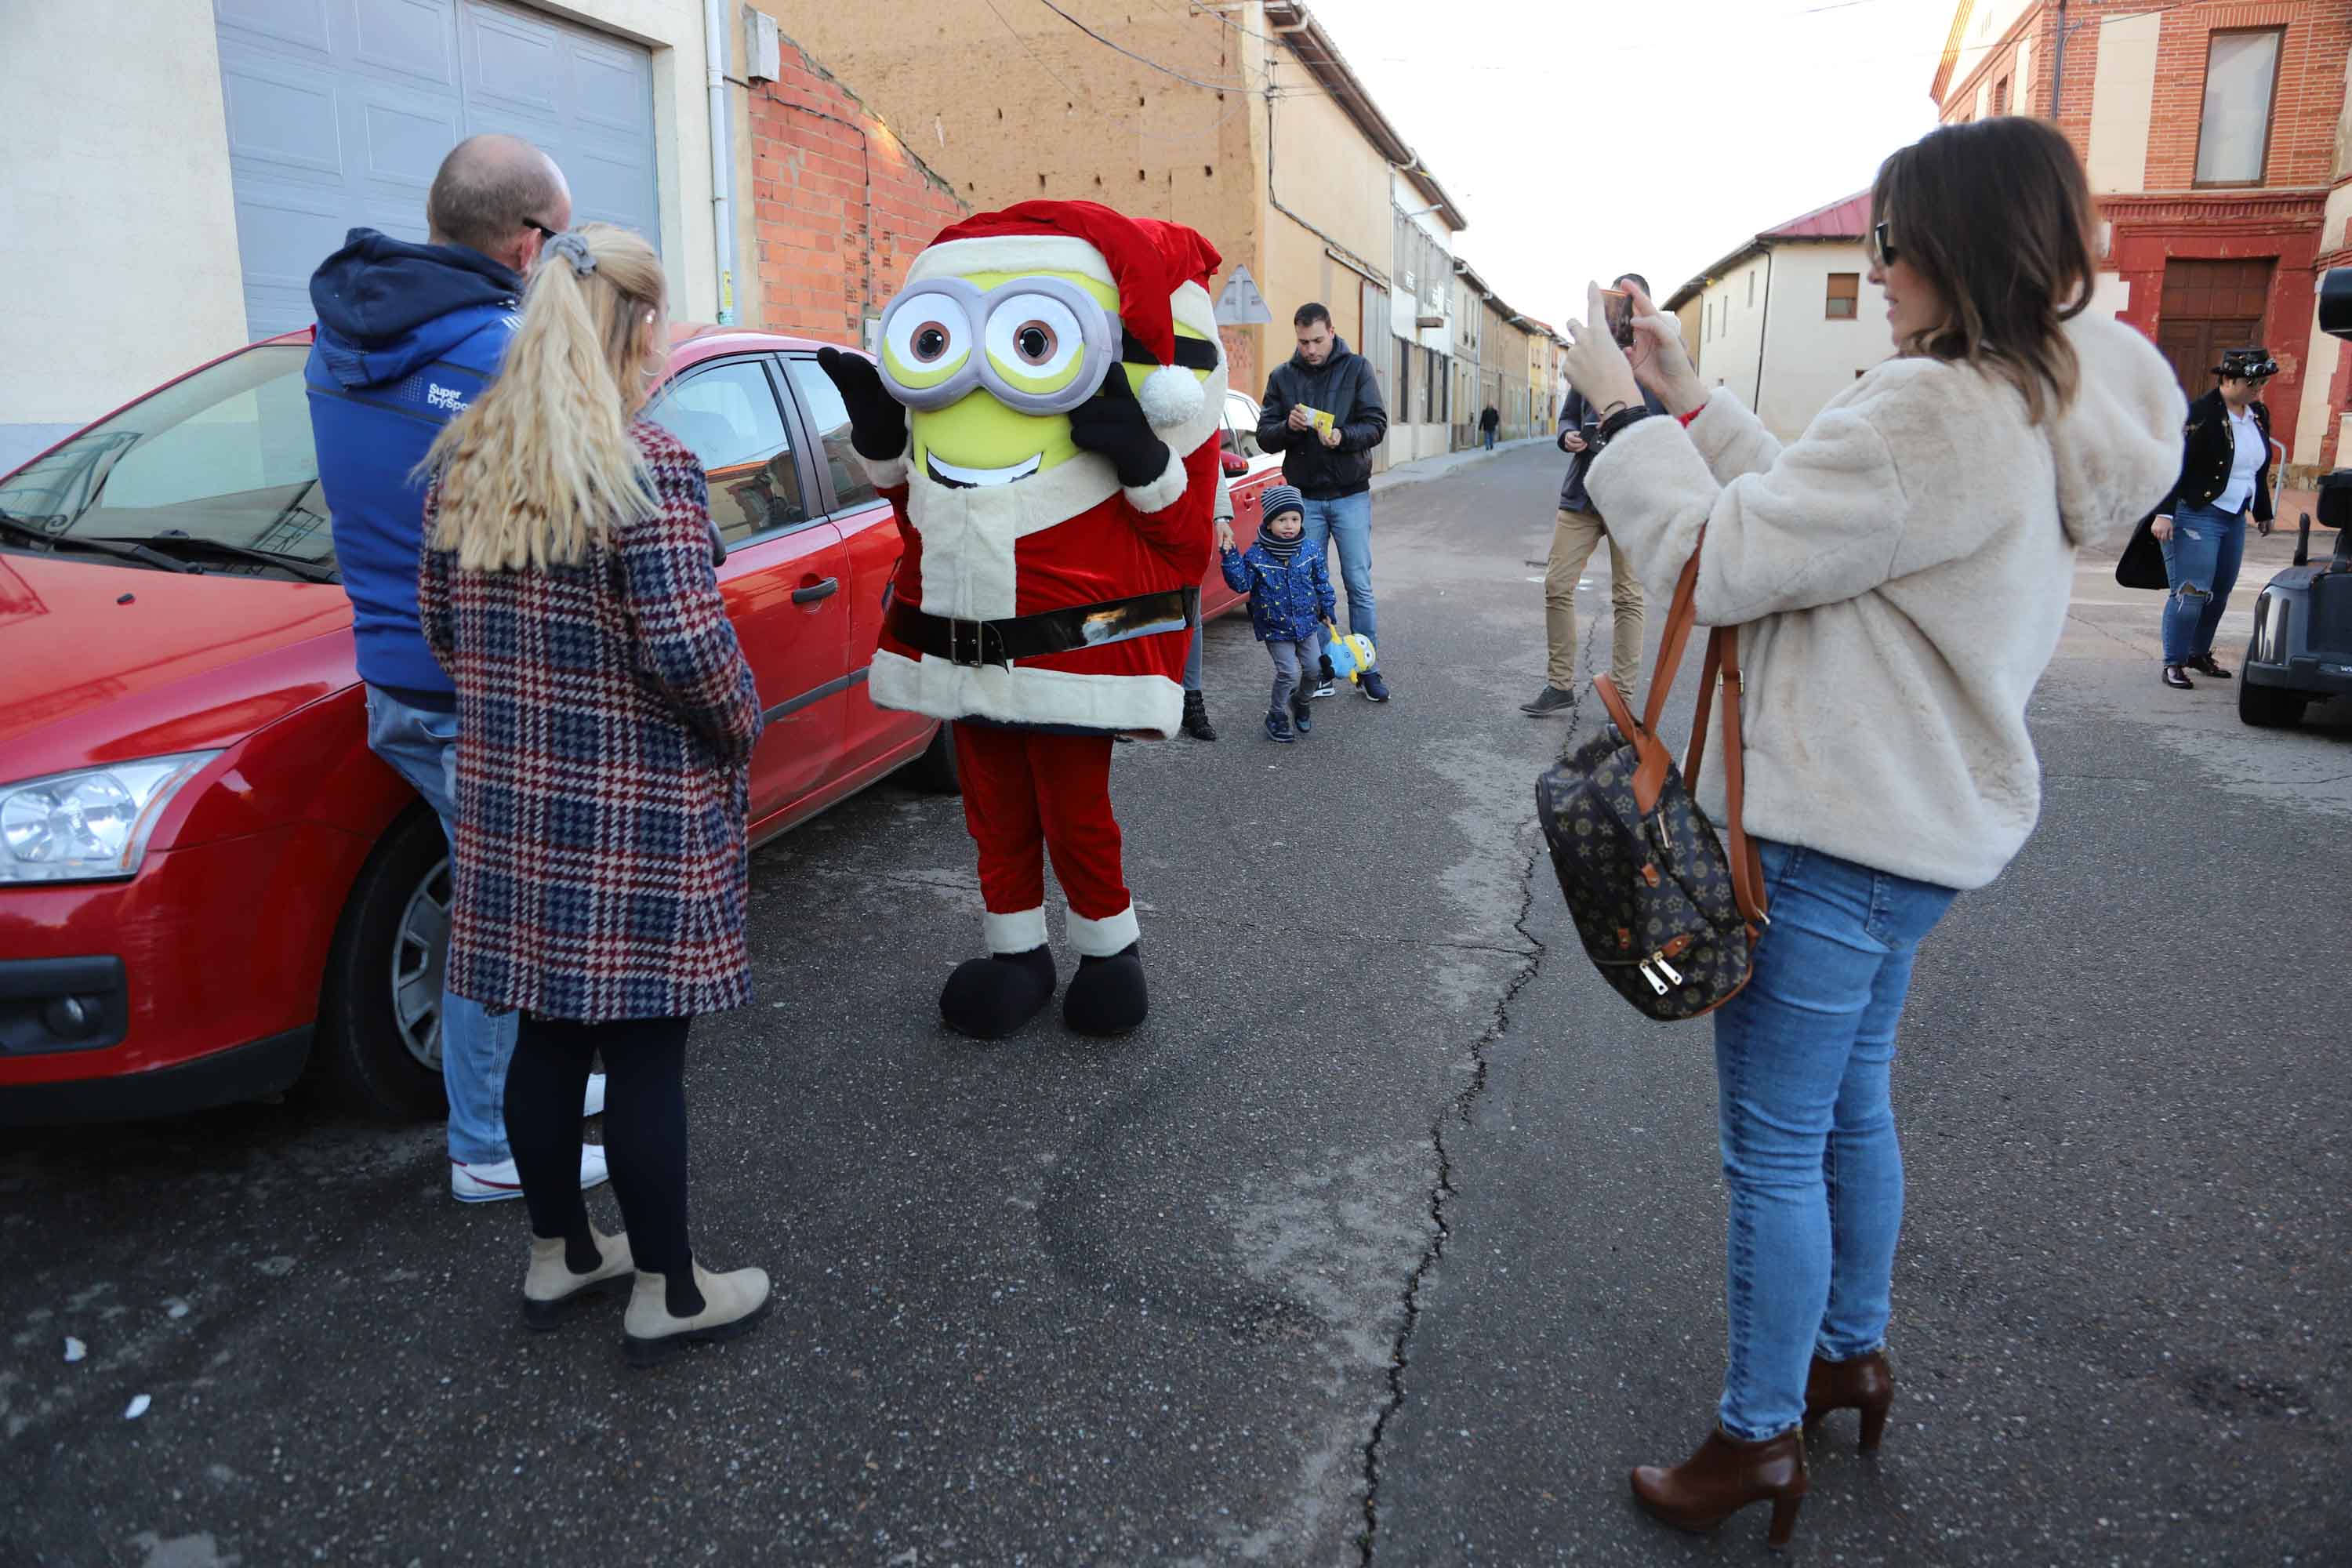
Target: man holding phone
[
  {"x": 1323, "y": 413},
  {"x": 1576, "y": 532}
]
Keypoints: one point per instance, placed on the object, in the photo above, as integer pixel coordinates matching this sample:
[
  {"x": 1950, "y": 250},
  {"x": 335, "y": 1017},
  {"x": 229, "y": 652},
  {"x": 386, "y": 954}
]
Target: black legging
[{"x": 644, "y": 1139}]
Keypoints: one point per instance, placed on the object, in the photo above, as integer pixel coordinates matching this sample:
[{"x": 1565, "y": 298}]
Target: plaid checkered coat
[{"x": 605, "y": 720}]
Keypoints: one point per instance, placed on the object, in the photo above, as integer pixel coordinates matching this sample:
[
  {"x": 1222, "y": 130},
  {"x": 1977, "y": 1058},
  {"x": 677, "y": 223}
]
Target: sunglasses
[
  {"x": 1882, "y": 247},
  {"x": 538, "y": 228}
]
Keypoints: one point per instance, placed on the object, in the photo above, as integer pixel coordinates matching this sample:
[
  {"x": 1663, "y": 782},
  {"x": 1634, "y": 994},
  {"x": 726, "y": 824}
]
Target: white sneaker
[
  {"x": 490, "y": 1183},
  {"x": 594, "y": 1104}
]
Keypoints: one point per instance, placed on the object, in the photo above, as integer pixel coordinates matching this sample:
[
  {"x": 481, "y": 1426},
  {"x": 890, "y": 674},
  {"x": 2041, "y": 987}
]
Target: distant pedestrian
[
  {"x": 1290, "y": 599},
  {"x": 1488, "y": 421},
  {"x": 1323, "y": 413},
  {"x": 609, "y": 719},
  {"x": 1899, "y": 575},
  {"x": 1576, "y": 532},
  {"x": 2225, "y": 477},
  {"x": 407, "y": 335}
]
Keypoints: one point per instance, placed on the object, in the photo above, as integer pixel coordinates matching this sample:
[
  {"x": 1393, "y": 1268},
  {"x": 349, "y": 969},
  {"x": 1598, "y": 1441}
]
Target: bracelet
[{"x": 1616, "y": 424}]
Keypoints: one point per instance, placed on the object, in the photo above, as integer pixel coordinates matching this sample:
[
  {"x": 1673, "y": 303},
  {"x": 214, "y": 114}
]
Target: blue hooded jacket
[
  {"x": 1288, "y": 601},
  {"x": 407, "y": 335}
]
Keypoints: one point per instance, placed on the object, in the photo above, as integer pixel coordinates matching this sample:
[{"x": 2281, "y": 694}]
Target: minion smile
[{"x": 957, "y": 477}]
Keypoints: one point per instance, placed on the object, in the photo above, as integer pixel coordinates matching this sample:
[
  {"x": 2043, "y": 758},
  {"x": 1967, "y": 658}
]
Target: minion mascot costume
[{"x": 1043, "y": 423}]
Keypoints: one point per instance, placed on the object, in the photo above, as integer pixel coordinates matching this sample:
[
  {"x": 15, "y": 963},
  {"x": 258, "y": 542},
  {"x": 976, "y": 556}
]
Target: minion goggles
[{"x": 1040, "y": 345}]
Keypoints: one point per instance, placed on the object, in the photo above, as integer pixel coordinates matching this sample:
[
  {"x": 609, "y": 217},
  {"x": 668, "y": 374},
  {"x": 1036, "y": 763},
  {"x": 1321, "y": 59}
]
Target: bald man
[{"x": 407, "y": 335}]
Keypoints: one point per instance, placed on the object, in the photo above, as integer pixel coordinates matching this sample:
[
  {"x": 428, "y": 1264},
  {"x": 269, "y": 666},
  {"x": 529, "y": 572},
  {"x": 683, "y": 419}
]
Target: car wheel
[
  {"x": 935, "y": 770},
  {"x": 379, "y": 1039},
  {"x": 2270, "y": 707}
]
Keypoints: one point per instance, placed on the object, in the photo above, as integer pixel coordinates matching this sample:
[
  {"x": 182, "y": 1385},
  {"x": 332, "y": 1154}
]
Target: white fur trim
[
  {"x": 1025, "y": 694},
  {"x": 1018, "y": 932},
  {"x": 883, "y": 472},
  {"x": 1163, "y": 492},
  {"x": 1171, "y": 396},
  {"x": 970, "y": 534},
  {"x": 1100, "y": 938}
]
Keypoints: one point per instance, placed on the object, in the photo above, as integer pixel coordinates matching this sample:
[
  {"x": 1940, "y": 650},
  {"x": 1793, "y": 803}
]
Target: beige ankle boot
[
  {"x": 549, "y": 1286},
  {"x": 732, "y": 1304}
]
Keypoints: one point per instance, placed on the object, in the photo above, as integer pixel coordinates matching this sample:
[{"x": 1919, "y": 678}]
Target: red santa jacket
[{"x": 1064, "y": 537}]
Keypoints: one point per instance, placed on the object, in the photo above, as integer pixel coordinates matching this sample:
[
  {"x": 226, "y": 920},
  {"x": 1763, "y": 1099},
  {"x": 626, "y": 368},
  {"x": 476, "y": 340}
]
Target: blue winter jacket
[
  {"x": 1288, "y": 604},
  {"x": 407, "y": 334}
]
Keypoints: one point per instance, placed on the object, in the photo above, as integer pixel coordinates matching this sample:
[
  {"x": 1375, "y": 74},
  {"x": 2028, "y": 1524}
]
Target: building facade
[
  {"x": 238, "y": 143},
  {"x": 2220, "y": 148},
  {"x": 1244, "y": 120},
  {"x": 1421, "y": 320},
  {"x": 1785, "y": 318}
]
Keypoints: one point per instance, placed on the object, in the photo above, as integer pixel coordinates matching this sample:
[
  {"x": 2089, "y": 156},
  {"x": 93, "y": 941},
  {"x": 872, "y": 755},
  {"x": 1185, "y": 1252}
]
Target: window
[
  {"x": 829, "y": 415},
  {"x": 2001, "y": 96},
  {"x": 2233, "y": 135},
  {"x": 1845, "y": 296},
  {"x": 1751, "y": 287},
  {"x": 223, "y": 456},
  {"x": 1241, "y": 426},
  {"x": 728, "y": 415},
  {"x": 1404, "y": 383}
]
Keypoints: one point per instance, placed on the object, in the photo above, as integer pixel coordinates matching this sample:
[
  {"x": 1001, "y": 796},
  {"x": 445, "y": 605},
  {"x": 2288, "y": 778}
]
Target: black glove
[
  {"x": 1112, "y": 423},
  {"x": 878, "y": 425}
]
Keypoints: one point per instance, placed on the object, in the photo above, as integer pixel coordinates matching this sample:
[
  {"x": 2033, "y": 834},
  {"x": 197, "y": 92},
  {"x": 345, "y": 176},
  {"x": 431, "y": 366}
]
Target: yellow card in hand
[{"x": 1321, "y": 420}]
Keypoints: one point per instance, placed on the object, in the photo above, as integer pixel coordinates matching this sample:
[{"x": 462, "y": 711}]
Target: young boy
[{"x": 1290, "y": 599}]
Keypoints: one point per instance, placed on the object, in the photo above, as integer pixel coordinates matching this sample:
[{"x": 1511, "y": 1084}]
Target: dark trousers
[{"x": 645, "y": 1133}]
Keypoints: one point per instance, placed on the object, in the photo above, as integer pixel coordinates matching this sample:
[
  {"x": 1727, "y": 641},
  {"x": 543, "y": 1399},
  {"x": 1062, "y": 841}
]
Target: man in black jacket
[{"x": 1322, "y": 412}]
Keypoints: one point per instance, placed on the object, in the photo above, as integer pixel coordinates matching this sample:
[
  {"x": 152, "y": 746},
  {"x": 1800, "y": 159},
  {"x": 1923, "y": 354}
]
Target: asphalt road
[{"x": 1393, "y": 1234}]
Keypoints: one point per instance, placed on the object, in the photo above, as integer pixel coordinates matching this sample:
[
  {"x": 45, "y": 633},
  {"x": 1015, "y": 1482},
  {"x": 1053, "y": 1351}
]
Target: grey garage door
[{"x": 340, "y": 111}]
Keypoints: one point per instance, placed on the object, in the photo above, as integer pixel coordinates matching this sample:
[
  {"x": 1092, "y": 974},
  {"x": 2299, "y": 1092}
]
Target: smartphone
[{"x": 1617, "y": 308}]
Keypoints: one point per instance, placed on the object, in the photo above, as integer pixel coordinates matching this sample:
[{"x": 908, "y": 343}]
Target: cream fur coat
[{"x": 1900, "y": 574}]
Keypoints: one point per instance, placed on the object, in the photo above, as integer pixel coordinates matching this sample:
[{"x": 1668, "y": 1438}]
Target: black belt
[{"x": 975, "y": 643}]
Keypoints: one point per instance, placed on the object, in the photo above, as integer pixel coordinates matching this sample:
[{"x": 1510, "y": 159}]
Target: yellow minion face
[{"x": 989, "y": 365}]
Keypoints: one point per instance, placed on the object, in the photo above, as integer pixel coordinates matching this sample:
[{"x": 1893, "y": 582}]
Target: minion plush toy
[{"x": 1043, "y": 423}]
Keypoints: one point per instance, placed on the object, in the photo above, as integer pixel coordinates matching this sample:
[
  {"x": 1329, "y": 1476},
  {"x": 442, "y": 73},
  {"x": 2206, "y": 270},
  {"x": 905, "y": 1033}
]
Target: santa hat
[{"x": 1161, "y": 271}]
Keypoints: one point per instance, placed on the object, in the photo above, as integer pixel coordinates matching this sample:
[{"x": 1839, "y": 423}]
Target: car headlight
[{"x": 90, "y": 825}]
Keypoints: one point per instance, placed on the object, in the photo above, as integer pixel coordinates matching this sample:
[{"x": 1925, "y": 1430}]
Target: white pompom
[{"x": 1171, "y": 396}]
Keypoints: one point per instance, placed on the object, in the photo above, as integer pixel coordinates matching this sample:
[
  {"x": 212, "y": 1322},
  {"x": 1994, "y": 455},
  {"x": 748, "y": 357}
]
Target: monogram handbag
[{"x": 1669, "y": 919}]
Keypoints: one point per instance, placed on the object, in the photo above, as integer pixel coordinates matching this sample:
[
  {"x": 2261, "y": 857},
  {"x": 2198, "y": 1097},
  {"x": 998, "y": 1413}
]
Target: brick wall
[{"x": 839, "y": 205}]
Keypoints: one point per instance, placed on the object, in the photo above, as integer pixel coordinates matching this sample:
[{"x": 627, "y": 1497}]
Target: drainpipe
[
  {"x": 2058, "y": 63},
  {"x": 722, "y": 156},
  {"x": 1763, "y": 335}
]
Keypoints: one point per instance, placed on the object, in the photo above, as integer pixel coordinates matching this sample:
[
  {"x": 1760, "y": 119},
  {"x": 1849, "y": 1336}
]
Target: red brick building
[
  {"x": 2218, "y": 145},
  {"x": 838, "y": 205}
]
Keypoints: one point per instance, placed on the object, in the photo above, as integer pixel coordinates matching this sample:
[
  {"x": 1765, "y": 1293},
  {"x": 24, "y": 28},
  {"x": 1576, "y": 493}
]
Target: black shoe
[
  {"x": 2178, "y": 679},
  {"x": 1106, "y": 995},
  {"x": 1196, "y": 718},
  {"x": 1551, "y": 700},
  {"x": 989, "y": 998},
  {"x": 1375, "y": 690},
  {"x": 2203, "y": 665},
  {"x": 1277, "y": 727},
  {"x": 1301, "y": 716}
]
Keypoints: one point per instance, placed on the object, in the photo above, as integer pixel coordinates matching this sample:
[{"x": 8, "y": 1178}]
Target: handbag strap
[{"x": 1719, "y": 674}]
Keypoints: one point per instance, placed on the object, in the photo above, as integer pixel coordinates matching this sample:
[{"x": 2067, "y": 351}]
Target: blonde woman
[
  {"x": 607, "y": 718},
  {"x": 1900, "y": 573}
]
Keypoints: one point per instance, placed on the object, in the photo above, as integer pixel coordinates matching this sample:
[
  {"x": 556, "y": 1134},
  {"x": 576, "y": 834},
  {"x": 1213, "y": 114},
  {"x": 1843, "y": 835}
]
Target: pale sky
[{"x": 1584, "y": 139}]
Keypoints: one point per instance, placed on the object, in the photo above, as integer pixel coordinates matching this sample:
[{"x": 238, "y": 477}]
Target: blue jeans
[
  {"x": 2202, "y": 560},
  {"x": 1346, "y": 521},
  {"x": 1490, "y": 440},
  {"x": 1802, "y": 1058},
  {"x": 1192, "y": 660},
  {"x": 476, "y": 1045}
]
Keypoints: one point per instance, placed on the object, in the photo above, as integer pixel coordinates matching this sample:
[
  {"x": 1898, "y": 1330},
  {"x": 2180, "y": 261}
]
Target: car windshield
[{"x": 213, "y": 468}]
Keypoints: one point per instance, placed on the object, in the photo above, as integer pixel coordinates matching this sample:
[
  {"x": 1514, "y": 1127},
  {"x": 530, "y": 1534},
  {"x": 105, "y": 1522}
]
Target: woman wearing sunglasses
[
  {"x": 1900, "y": 574},
  {"x": 2224, "y": 478}
]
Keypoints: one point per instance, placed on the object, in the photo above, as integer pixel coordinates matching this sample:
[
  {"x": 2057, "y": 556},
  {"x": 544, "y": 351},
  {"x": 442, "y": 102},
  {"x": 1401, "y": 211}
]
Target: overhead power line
[{"x": 1142, "y": 59}]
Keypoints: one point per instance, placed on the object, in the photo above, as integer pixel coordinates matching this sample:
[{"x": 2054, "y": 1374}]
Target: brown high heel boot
[
  {"x": 1866, "y": 1384},
  {"x": 1725, "y": 1476}
]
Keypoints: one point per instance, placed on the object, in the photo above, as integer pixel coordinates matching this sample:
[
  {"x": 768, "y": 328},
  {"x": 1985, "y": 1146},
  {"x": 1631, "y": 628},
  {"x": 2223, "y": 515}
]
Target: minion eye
[
  {"x": 929, "y": 335},
  {"x": 1034, "y": 336}
]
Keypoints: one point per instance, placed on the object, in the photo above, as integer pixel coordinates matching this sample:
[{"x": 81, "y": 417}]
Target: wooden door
[{"x": 2210, "y": 306}]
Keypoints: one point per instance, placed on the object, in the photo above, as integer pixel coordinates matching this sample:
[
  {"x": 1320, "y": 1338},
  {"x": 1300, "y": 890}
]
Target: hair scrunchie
[{"x": 574, "y": 249}]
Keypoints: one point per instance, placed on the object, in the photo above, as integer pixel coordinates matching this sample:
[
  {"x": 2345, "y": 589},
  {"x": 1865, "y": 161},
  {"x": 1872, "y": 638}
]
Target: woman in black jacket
[{"x": 2224, "y": 477}]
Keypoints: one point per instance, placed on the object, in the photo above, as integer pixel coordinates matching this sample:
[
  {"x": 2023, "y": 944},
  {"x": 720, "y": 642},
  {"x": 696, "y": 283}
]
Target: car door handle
[{"x": 816, "y": 591}]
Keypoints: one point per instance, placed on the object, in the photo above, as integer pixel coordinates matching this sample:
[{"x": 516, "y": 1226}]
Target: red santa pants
[{"x": 1025, "y": 794}]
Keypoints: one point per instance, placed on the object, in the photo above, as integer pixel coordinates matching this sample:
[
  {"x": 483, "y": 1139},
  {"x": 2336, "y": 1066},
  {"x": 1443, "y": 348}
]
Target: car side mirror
[{"x": 1236, "y": 465}]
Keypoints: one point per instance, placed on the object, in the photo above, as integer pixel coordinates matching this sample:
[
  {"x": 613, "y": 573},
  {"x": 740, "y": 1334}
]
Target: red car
[{"x": 208, "y": 883}]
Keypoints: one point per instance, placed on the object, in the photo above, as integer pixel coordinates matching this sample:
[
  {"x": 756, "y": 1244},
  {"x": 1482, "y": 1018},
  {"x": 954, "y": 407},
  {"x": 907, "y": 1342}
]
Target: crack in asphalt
[{"x": 1441, "y": 1191}]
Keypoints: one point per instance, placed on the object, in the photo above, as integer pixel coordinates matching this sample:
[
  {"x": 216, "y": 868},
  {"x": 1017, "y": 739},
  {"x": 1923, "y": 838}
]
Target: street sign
[{"x": 1241, "y": 305}]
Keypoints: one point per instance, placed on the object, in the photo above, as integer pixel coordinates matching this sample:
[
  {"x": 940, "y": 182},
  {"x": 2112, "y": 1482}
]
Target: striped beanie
[{"x": 1278, "y": 499}]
